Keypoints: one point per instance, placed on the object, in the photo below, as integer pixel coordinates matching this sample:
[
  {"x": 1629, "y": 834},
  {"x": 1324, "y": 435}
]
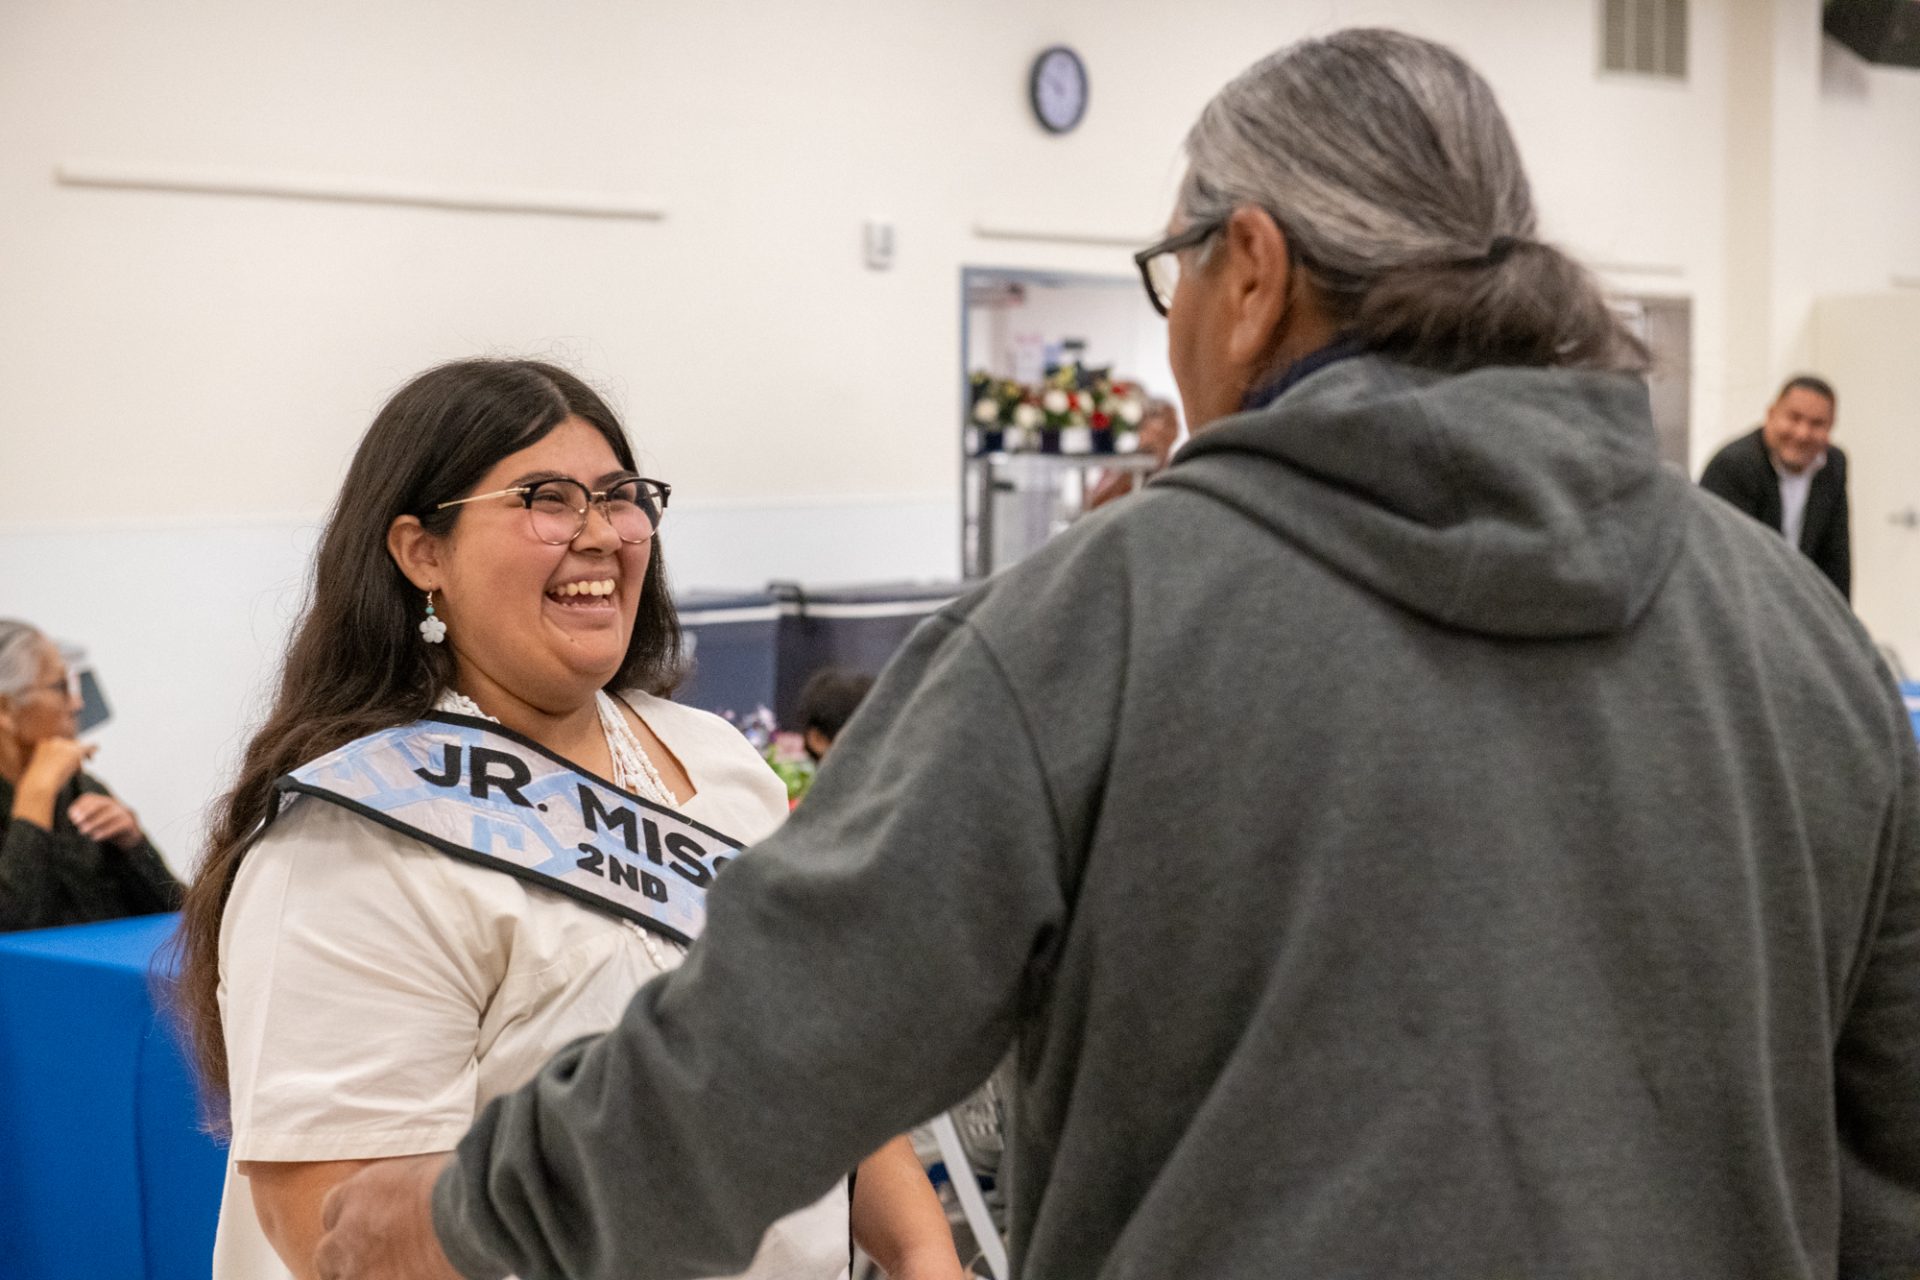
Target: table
[
  {"x": 1043, "y": 492},
  {"x": 105, "y": 1173}
]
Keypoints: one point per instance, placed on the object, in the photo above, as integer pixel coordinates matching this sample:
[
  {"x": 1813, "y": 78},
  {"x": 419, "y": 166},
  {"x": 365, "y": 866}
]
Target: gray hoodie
[{"x": 1420, "y": 835}]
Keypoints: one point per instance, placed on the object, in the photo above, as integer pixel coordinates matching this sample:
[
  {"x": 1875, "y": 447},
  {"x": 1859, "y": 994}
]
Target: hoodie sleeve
[
  {"x": 860, "y": 971},
  {"x": 1877, "y": 1061}
]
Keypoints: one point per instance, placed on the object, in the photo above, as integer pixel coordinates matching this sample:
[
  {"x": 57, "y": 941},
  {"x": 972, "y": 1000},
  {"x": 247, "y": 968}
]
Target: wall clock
[{"x": 1058, "y": 89}]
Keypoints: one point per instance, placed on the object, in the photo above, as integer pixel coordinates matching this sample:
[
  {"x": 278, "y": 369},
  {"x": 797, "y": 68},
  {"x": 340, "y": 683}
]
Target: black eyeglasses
[
  {"x": 1160, "y": 264},
  {"x": 557, "y": 509}
]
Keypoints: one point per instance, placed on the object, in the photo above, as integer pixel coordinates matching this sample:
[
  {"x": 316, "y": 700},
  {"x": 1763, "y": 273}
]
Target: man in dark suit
[{"x": 1786, "y": 475}]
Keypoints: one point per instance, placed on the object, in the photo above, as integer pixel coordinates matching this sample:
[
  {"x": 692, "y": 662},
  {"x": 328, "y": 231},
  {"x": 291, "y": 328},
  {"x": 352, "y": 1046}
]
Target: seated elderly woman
[{"x": 70, "y": 853}]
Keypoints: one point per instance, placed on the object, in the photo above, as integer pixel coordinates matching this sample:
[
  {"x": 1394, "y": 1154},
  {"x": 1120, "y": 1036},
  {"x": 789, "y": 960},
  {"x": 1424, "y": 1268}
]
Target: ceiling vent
[{"x": 1644, "y": 37}]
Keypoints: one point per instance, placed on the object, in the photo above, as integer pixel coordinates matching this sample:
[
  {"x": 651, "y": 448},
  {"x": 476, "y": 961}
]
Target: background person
[
  {"x": 358, "y": 994},
  {"x": 827, "y": 701},
  {"x": 1387, "y": 841},
  {"x": 1159, "y": 432},
  {"x": 1788, "y": 475},
  {"x": 70, "y": 852}
]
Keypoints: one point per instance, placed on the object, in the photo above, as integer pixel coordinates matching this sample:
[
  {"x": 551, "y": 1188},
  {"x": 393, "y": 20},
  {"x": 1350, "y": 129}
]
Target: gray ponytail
[
  {"x": 1390, "y": 167},
  {"x": 19, "y": 656}
]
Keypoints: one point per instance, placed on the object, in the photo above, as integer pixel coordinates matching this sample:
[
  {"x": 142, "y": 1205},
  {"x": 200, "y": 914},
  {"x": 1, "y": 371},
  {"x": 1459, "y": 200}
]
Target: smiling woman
[{"x": 370, "y": 957}]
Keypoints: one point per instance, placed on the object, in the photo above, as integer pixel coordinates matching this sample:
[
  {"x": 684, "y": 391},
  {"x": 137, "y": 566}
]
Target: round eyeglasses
[{"x": 557, "y": 508}]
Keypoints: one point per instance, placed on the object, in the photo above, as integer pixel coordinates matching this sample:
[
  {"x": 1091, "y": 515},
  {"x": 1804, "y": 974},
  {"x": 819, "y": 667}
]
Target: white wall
[
  {"x": 1866, "y": 176},
  {"x": 1822, "y": 191},
  {"x": 1865, "y": 187},
  {"x": 755, "y": 357},
  {"x": 182, "y": 377}
]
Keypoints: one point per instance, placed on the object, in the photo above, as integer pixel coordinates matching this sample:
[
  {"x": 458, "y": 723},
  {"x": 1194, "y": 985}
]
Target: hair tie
[{"x": 1499, "y": 249}]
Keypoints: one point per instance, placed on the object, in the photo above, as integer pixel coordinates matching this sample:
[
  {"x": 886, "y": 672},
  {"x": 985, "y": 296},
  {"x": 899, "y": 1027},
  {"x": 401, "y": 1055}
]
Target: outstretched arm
[{"x": 739, "y": 1087}]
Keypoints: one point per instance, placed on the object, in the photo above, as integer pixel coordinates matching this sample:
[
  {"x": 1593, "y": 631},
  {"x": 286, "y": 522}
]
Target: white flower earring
[{"x": 432, "y": 630}]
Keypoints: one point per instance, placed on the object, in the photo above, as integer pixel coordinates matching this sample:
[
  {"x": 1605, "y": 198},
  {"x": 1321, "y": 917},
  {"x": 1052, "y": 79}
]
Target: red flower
[{"x": 1100, "y": 421}]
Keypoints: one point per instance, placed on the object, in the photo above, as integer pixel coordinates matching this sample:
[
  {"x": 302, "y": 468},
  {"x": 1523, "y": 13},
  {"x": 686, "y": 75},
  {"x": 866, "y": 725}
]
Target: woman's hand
[
  {"x": 51, "y": 766},
  {"x": 104, "y": 818},
  {"x": 54, "y": 762}
]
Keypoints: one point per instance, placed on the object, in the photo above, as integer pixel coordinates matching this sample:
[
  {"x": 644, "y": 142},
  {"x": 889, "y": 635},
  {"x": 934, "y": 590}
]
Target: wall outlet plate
[{"x": 878, "y": 241}]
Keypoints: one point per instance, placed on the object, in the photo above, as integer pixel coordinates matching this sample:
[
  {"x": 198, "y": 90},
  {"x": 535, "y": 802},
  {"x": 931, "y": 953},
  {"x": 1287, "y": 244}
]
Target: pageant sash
[{"x": 489, "y": 796}]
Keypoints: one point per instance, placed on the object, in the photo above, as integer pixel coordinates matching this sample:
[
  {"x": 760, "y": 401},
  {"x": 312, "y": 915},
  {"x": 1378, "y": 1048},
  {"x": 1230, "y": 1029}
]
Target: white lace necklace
[
  {"x": 631, "y": 768},
  {"x": 631, "y": 771}
]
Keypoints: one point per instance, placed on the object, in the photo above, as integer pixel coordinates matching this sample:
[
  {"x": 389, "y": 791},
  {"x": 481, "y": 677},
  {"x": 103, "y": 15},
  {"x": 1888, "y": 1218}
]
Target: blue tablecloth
[{"x": 104, "y": 1171}]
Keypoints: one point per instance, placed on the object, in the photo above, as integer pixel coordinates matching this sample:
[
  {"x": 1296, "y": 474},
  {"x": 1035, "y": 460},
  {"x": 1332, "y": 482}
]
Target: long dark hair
[{"x": 355, "y": 663}]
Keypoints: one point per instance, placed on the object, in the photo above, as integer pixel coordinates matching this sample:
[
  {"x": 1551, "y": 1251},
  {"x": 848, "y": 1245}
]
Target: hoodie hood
[{"x": 1505, "y": 501}]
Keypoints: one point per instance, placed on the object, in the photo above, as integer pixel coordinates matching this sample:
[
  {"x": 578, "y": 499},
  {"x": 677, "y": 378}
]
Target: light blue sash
[{"x": 489, "y": 796}]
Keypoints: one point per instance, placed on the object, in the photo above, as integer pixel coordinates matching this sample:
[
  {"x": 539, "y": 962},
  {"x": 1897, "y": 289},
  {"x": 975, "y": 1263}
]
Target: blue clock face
[{"x": 1059, "y": 89}]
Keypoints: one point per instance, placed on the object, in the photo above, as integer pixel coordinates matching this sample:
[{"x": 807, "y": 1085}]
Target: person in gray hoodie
[{"x": 1419, "y": 835}]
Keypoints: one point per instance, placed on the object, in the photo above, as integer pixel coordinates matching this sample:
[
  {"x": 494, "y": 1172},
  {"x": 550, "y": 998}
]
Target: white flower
[
  {"x": 986, "y": 411},
  {"x": 1131, "y": 411},
  {"x": 433, "y": 631},
  {"x": 1057, "y": 401},
  {"x": 1028, "y": 416}
]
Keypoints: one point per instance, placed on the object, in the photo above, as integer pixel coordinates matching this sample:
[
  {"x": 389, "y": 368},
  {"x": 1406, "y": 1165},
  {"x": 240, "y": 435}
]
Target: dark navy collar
[{"x": 1267, "y": 392}]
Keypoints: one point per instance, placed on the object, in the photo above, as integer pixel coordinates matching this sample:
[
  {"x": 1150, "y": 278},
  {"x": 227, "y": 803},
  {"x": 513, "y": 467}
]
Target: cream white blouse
[{"x": 376, "y": 993}]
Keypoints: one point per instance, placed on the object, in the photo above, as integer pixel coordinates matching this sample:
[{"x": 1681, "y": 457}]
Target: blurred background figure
[
  {"x": 1159, "y": 432},
  {"x": 827, "y": 701},
  {"x": 1787, "y": 474},
  {"x": 70, "y": 853}
]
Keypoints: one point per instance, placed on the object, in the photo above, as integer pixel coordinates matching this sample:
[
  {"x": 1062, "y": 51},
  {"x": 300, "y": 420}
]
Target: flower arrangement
[
  {"x": 1072, "y": 411},
  {"x": 787, "y": 756},
  {"x": 785, "y": 753}
]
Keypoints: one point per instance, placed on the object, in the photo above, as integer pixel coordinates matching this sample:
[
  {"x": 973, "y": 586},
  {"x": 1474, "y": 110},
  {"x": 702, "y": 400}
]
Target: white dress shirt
[{"x": 1794, "y": 487}]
